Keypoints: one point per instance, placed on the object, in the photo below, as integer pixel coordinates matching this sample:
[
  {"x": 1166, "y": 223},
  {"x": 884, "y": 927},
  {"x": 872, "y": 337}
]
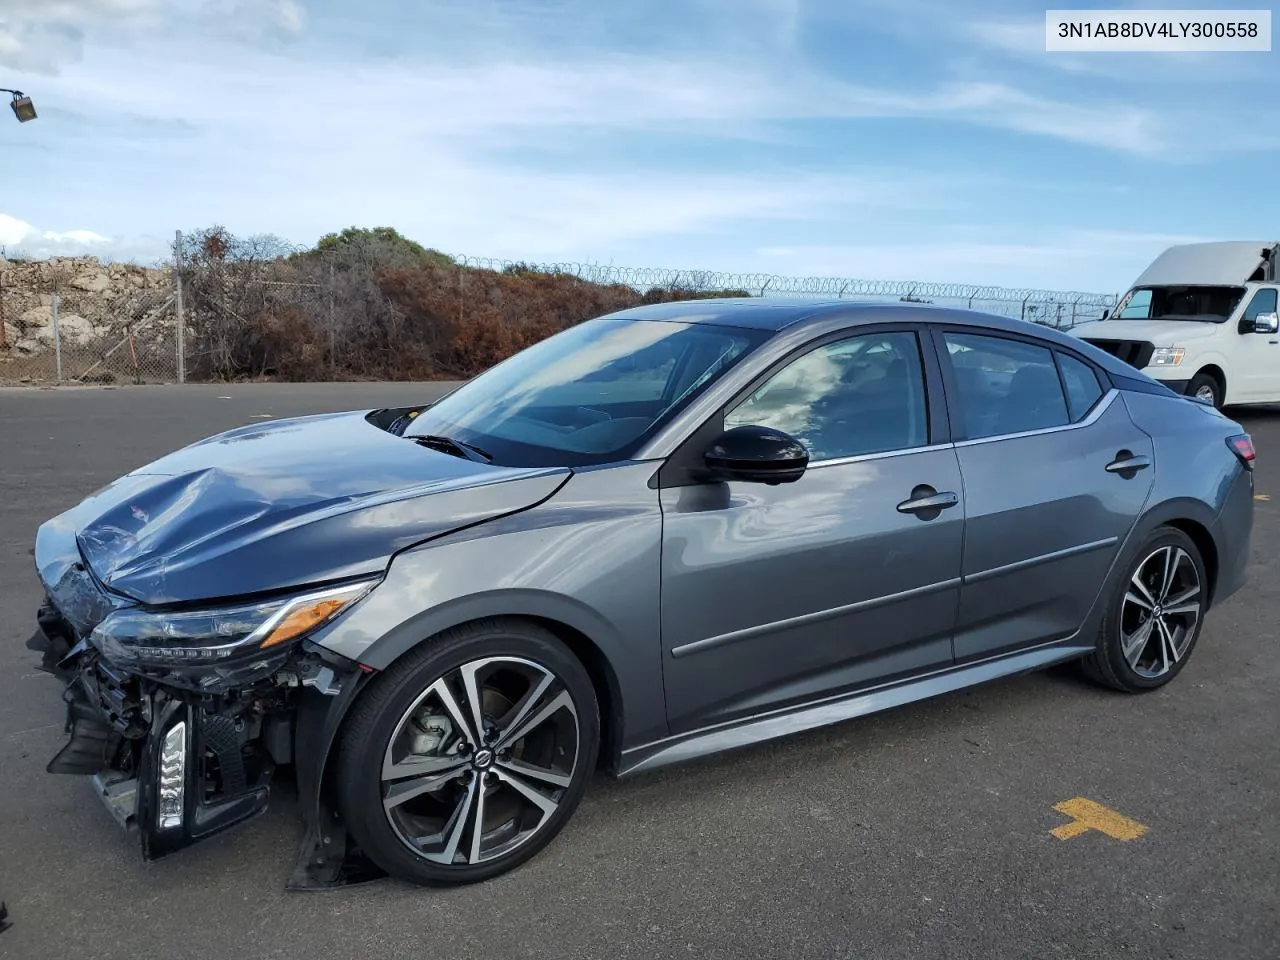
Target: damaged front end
[{"x": 181, "y": 716}]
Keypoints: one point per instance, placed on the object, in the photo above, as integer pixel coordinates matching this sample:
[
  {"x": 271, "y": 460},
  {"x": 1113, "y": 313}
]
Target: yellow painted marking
[
  {"x": 1088, "y": 815},
  {"x": 1262, "y": 496}
]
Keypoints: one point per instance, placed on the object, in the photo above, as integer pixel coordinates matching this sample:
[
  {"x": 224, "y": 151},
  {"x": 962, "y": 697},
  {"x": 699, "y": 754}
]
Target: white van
[{"x": 1202, "y": 319}]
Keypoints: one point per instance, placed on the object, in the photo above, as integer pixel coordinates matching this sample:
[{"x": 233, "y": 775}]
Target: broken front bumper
[
  {"x": 176, "y": 766},
  {"x": 180, "y": 764}
]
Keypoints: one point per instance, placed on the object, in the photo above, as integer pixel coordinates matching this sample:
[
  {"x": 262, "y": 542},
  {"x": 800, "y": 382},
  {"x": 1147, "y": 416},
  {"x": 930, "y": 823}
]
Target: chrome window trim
[
  {"x": 668, "y": 439},
  {"x": 878, "y": 455},
  {"x": 1099, "y": 408}
]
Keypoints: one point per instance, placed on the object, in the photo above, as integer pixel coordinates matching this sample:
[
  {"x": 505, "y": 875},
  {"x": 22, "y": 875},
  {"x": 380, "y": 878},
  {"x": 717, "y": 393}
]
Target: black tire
[
  {"x": 366, "y": 740},
  {"x": 1108, "y": 664},
  {"x": 1206, "y": 382}
]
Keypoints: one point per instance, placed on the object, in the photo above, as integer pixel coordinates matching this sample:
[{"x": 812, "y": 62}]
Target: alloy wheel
[
  {"x": 1160, "y": 612},
  {"x": 476, "y": 766},
  {"x": 1206, "y": 392}
]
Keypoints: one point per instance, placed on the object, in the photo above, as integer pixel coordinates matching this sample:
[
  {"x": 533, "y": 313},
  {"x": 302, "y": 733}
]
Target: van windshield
[{"x": 1212, "y": 304}]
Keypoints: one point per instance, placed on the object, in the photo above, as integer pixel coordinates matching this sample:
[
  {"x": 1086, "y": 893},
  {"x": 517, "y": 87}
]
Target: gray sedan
[{"x": 666, "y": 532}]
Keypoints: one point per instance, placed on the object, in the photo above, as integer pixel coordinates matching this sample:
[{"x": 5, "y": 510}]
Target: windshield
[
  {"x": 590, "y": 394},
  {"x": 1213, "y": 304}
]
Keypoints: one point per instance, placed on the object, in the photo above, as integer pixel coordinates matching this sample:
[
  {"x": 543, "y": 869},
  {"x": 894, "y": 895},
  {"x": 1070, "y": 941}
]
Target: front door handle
[
  {"x": 1126, "y": 462},
  {"x": 924, "y": 500}
]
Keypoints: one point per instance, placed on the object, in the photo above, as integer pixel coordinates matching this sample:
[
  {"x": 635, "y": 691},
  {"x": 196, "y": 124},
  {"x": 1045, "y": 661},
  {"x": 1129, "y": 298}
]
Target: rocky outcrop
[{"x": 95, "y": 300}]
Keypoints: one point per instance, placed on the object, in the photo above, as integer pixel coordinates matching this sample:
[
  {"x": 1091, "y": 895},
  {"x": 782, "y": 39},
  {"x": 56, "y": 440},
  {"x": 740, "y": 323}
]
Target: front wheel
[
  {"x": 470, "y": 754},
  {"x": 1205, "y": 387},
  {"x": 1154, "y": 616}
]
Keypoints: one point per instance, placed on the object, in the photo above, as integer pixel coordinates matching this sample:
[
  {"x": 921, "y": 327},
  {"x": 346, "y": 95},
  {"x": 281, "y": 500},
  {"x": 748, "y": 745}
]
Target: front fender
[
  {"x": 1198, "y": 361},
  {"x": 586, "y": 560},
  {"x": 537, "y": 604}
]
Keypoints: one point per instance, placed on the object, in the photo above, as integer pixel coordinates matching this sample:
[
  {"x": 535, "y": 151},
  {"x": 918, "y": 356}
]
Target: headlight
[
  {"x": 1167, "y": 356},
  {"x": 214, "y": 636}
]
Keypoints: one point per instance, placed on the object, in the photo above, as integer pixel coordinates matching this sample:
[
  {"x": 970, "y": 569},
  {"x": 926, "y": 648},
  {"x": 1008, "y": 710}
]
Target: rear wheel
[
  {"x": 1205, "y": 386},
  {"x": 467, "y": 757},
  {"x": 1154, "y": 616}
]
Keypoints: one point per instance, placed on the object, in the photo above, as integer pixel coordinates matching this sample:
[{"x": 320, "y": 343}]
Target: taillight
[{"x": 1242, "y": 446}]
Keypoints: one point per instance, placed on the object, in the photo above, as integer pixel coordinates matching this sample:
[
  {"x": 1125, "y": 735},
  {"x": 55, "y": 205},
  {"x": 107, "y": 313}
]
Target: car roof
[{"x": 777, "y": 313}]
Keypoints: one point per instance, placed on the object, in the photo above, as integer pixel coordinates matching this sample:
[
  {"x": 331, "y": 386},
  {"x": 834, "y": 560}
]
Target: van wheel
[{"x": 1205, "y": 386}]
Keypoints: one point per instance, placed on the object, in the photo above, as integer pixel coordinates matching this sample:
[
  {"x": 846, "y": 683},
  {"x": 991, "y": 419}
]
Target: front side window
[
  {"x": 1264, "y": 301},
  {"x": 852, "y": 397},
  {"x": 590, "y": 394},
  {"x": 1005, "y": 386}
]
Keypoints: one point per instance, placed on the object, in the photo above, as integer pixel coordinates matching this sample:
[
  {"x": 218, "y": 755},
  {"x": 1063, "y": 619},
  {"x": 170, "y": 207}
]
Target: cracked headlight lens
[{"x": 220, "y": 634}]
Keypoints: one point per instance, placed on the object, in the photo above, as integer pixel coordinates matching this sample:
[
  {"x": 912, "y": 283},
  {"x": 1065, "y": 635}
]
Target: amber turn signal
[{"x": 303, "y": 618}]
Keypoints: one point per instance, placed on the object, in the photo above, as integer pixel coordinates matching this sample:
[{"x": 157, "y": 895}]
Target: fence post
[
  {"x": 333, "y": 336},
  {"x": 179, "y": 318},
  {"x": 57, "y": 336}
]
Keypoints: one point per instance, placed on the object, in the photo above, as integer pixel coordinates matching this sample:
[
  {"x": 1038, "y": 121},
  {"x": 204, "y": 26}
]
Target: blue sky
[{"x": 889, "y": 139}]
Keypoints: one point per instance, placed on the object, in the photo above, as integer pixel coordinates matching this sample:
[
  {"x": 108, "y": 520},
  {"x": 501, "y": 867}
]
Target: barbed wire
[
  {"x": 758, "y": 284},
  {"x": 762, "y": 284}
]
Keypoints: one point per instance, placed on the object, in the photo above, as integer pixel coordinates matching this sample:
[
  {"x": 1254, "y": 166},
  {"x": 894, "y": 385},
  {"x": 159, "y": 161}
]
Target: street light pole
[{"x": 22, "y": 106}]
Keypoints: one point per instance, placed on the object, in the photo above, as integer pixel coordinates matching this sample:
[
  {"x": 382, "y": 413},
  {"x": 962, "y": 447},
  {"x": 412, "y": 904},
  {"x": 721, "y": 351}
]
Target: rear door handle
[
  {"x": 932, "y": 501},
  {"x": 1127, "y": 463}
]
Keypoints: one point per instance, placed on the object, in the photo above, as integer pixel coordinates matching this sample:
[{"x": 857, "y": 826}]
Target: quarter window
[
  {"x": 1005, "y": 386},
  {"x": 852, "y": 397},
  {"x": 1083, "y": 388}
]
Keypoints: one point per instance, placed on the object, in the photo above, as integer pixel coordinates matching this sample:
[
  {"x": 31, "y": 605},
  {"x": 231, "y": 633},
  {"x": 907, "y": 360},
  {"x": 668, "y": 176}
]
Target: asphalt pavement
[{"x": 922, "y": 832}]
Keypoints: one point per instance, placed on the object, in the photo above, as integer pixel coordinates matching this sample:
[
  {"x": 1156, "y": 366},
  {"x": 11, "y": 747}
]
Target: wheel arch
[
  {"x": 1214, "y": 369},
  {"x": 1203, "y": 539},
  {"x": 1194, "y": 518},
  {"x": 587, "y": 635},
  {"x": 321, "y": 717}
]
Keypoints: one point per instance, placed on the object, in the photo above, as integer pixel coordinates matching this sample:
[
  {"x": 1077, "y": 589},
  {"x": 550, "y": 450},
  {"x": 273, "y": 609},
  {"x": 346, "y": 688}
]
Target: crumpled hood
[
  {"x": 277, "y": 505},
  {"x": 1162, "y": 333}
]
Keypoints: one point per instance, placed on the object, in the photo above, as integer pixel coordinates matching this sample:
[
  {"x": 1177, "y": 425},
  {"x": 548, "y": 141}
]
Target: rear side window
[
  {"x": 1083, "y": 388},
  {"x": 1005, "y": 386}
]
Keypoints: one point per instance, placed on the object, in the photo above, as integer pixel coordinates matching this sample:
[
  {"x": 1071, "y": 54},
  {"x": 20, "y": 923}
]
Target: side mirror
[
  {"x": 1266, "y": 323},
  {"x": 1106, "y": 313},
  {"x": 756, "y": 455}
]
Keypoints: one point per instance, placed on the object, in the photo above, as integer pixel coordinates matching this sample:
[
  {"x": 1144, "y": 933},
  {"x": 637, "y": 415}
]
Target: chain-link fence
[
  {"x": 382, "y": 308},
  {"x": 80, "y": 321}
]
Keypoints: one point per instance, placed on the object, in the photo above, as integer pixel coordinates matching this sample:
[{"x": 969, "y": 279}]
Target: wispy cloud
[
  {"x": 815, "y": 131},
  {"x": 485, "y": 99},
  {"x": 43, "y": 36}
]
